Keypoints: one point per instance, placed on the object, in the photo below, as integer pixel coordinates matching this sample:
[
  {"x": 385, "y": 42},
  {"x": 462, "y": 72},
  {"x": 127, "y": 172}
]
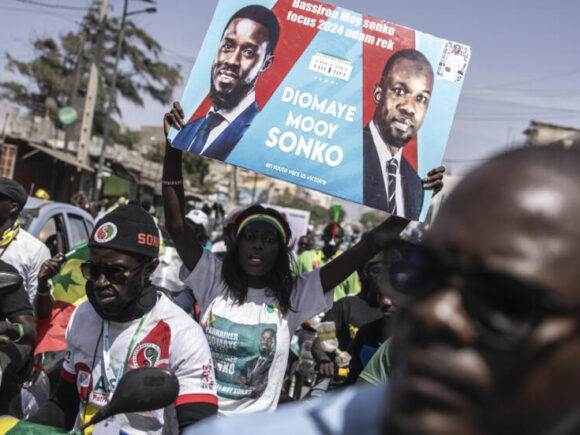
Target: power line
[
  {"x": 542, "y": 111},
  {"x": 35, "y": 11},
  {"x": 525, "y": 81},
  {"x": 48, "y": 5},
  {"x": 480, "y": 159},
  {"x": 554, "y": 92},
  {"x": 520, "y": 117},
  {"x": 547, "y": 105},
  {"x": 13, "y": 40},
  {"x": 169, "y": 52}
]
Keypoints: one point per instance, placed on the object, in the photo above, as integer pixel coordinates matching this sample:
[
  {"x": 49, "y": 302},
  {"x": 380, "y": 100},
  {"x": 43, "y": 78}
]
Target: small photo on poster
[{"x": 453, "y": 62}]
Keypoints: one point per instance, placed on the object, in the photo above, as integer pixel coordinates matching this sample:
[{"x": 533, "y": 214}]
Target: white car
[{"x": 59, "y": 225}]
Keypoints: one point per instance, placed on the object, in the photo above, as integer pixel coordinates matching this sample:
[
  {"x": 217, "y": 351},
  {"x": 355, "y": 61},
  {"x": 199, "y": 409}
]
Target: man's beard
[
  {"x": 135, "y": 308},
  {"x": 394, "y": 141},
  {"x": 231, "y": 98}
]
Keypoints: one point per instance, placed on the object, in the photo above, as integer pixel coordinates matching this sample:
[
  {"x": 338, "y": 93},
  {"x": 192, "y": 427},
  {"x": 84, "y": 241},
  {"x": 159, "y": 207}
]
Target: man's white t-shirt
[
  {"x": 168, "y": 338},
  {"x": 233, "y": 332},
  {"x": 26, "y": 253}
]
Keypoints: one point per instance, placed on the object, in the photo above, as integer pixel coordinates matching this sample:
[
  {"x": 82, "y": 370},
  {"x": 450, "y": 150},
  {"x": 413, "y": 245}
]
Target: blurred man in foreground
[{"x": 487, "y": 335}]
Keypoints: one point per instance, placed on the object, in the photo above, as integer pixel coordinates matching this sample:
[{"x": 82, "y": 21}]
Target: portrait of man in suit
[
  {"x": 401, "y": 97},
  {"x": 244, "y": 53},
  {"x": 254, "y": 374}
]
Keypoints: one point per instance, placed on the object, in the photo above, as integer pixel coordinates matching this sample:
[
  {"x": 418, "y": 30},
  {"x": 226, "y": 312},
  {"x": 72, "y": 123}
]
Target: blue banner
[{"x": 330, "y": 99}]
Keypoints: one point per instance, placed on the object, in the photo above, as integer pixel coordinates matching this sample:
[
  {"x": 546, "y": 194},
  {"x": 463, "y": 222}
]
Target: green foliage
[
  {"x": 156, "y": 153},
  {"x": 318, "y": 215},
  {"x": 196, "y": 168},
  {"x": 341, "y": 215},
  {"x": 128, "y": 138},
  {"x": 47, "y": 77},
  {"x": 371, "y": 219},
  {"x": 52, "y": 71}
]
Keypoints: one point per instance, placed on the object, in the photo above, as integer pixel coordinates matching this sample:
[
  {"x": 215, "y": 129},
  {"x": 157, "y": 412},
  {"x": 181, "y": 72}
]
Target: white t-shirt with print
[
  {"x": 168, "y": 338},
  {"x": 234, "y": 331}
]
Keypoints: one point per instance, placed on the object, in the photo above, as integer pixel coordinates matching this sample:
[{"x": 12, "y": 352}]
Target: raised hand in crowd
[{"x": 43, "y": 301}]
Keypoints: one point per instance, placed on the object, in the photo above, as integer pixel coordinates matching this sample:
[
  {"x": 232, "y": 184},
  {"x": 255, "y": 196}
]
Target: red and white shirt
[{"x": 168, "y": 338}]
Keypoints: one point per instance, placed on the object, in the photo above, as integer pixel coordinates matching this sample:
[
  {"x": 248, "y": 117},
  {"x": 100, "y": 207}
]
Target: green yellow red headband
[{"x": 263, "y": 218}]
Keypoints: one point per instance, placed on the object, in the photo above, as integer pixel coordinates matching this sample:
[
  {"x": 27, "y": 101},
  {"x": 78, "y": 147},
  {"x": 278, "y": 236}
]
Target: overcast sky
[{"x": 525, "y": 63}]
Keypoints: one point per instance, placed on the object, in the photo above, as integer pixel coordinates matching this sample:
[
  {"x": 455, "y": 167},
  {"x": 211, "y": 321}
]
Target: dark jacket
[
  {"x": 374, "y": 194},
  {"x": 260, "y": 378}
]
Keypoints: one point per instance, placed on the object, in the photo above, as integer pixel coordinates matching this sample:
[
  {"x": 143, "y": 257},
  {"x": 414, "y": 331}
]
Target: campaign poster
[{"x": 334, "y": 100}]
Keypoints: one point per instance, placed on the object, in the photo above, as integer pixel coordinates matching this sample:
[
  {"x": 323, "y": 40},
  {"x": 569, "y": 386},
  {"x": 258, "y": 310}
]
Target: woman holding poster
[{"x": 250, "y": 302}]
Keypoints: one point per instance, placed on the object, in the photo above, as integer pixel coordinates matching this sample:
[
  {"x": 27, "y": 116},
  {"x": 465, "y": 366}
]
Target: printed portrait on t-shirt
[
  {"x": 254, "y": 374},
  {"x": 242, "y": 354}
]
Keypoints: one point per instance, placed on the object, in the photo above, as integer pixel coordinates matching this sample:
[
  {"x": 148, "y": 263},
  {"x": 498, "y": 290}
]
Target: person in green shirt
[
  {"x": 315, "y": 258},
  {"x": 377, "y": 370}
]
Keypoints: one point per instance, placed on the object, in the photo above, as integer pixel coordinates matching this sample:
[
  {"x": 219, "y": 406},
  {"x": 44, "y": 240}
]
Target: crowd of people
[{"x": 471, "y": 330}]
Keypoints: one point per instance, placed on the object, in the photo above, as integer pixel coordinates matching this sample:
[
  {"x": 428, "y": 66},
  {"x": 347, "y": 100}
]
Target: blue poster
[{"x": 320, "y": 96}]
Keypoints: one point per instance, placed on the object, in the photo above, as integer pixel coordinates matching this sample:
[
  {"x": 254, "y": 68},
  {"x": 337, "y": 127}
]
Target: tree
[
  {"x": 371, "y": 219},
  {"x": 341, "y": 215},
  {"x": 60, "y": 70},
  {"x": 318, "y": 215},
  {"x": 128, "y": 137},
  {"x": 195, "y": 167}
]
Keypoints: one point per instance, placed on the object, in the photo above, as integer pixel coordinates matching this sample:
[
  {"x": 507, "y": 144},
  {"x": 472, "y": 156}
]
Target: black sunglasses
[
  {"x": 505, "y": 309},
  {"x": 114, "y": 274}
]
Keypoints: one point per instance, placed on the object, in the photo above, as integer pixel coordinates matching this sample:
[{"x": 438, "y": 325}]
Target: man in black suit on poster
[
  {"x": 402, "y": 98},
  {"x": 254, "y": 374}
]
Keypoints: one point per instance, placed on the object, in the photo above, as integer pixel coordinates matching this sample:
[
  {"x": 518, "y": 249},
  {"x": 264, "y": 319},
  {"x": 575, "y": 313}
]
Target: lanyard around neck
[
  {"x": 9, "y": 235},
  {"x": 109, "y": 369}
]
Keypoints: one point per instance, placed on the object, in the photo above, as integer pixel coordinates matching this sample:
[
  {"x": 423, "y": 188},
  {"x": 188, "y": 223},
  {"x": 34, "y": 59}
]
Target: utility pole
[
  {"x": 233, "y": 188},
  {"x": 113, "y": 91},
  {"x": 91, "y": 97},
  {"x": 73, "y": 130}
]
